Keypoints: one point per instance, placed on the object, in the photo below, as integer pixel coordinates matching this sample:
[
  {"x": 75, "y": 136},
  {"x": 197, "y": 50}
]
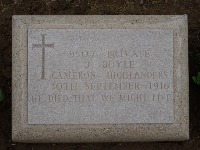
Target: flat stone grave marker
[{"x": 100, "y": 78}]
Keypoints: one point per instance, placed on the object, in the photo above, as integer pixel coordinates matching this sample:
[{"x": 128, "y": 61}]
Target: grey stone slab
[
  {"x": 100, "y": 78},
  {"x": 92, "y": 76}
]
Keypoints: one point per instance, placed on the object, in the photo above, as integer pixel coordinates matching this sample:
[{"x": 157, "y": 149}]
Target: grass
[
  {"x": 1, "y": 95},
  {"x": 196, "y": 56},
  {"x": 196, "y": 79}
]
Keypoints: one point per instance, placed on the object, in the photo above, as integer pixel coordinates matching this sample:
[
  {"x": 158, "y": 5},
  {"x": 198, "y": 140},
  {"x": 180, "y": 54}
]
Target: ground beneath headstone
[{"x": 98, "y": 7}]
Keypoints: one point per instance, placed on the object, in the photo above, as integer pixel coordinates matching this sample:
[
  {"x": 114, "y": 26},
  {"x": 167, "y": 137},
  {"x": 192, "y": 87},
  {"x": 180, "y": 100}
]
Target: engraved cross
[{"x": 43, "y": 46}]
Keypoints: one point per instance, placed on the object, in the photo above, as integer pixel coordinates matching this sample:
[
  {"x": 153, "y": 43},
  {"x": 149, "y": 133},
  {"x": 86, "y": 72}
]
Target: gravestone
[{"x": 100, "y": 78}]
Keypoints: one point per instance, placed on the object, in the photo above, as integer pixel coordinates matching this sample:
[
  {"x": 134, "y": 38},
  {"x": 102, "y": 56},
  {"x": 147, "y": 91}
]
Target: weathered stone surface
[
  {"x": 112, "y": 76},
  {"x": 91, "y": 76}
]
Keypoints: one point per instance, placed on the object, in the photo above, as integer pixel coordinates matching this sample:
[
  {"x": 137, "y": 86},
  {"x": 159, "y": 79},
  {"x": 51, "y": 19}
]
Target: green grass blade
[
  {"x": 1, "y": 95},
  {"x": 196, "y": 79}
]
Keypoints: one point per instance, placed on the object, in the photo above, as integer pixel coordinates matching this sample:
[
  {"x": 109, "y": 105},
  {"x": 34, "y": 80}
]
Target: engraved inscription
[
  {"x": 35, "y": 98},
  {"x": 100, "y": 76},
  {"x": 43, "y": 46}
]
